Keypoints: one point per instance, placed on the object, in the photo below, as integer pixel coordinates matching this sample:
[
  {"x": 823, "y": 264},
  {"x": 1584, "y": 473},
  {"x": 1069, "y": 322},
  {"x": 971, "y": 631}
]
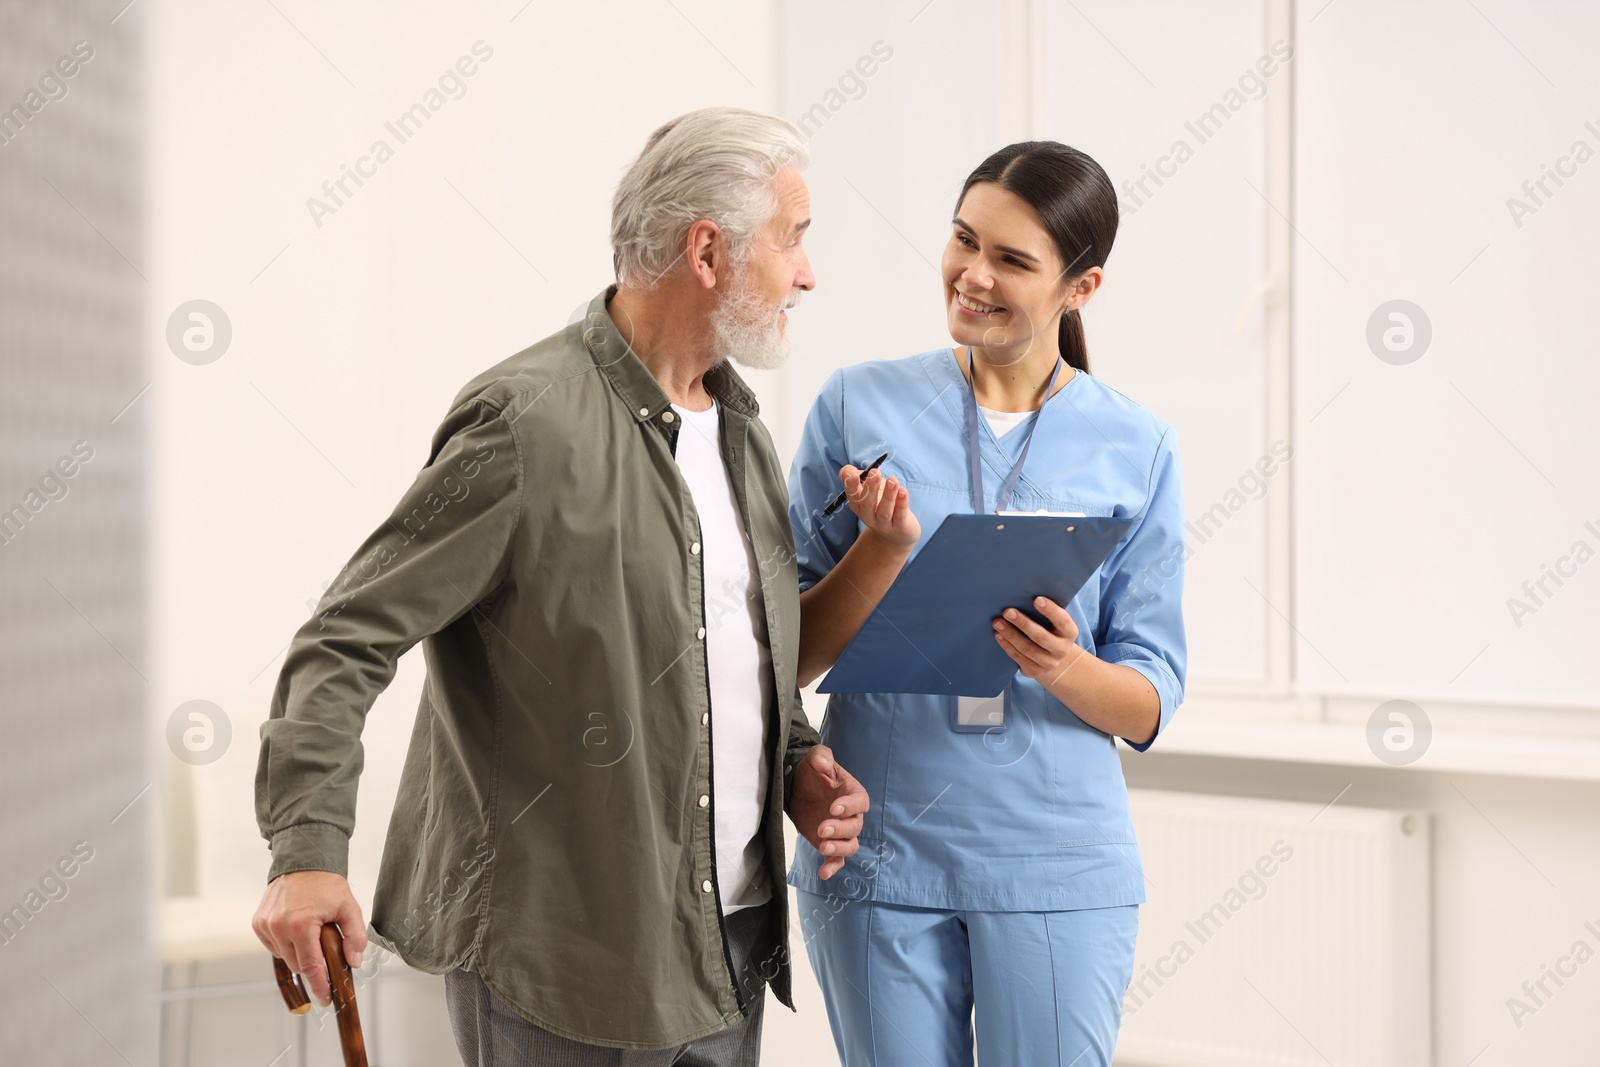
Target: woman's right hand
[{"x": 882, "y": 504}]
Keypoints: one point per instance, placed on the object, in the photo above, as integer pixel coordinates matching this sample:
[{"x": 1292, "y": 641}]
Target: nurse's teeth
[{"x": 972, "y": 305}]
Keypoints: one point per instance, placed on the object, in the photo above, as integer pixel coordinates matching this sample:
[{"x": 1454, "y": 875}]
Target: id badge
[{"x": 979, "y": 715}]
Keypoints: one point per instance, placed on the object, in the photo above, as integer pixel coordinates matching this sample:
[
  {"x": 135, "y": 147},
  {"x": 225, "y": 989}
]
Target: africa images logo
[{"x": 402, "y": 128}]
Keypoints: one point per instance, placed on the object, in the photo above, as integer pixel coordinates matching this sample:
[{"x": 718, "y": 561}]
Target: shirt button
[
  {"x": 694, "y": 549},
  {"x": 705, "y": 886},
  {"x": 704, "y": 800},
  {"x": 700, "y": 633},
  {"x": 644, "y": 411},
  {"x": 705, "y": 717},
  {"x": 666, "y": 416}
]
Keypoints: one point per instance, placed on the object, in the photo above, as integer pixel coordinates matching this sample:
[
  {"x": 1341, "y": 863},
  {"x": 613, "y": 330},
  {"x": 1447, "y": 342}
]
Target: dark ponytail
[
  {"x": 1077, "y": 205},
  {"x": 1074, "y": 349}
]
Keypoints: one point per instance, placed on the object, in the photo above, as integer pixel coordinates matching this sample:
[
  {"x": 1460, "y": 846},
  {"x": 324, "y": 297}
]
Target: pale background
[{"x": 1376, "y": 565}]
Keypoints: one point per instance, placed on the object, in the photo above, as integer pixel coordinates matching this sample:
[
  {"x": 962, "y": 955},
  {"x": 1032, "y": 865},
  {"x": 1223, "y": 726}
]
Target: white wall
[{"x": 1444, "y": 484}]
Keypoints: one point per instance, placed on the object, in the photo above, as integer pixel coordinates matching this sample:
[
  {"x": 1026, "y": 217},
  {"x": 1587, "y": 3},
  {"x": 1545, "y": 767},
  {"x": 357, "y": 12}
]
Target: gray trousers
[{"x": 490, "y": 1034}]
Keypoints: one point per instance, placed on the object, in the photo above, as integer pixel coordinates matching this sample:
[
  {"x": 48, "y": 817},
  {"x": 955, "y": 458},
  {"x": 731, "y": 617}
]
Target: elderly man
[{"x": 598, "y": 562}]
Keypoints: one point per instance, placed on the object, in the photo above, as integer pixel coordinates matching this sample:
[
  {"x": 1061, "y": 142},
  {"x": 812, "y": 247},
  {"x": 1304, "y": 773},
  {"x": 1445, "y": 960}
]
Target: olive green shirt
[{"x": 553, "y": 831}]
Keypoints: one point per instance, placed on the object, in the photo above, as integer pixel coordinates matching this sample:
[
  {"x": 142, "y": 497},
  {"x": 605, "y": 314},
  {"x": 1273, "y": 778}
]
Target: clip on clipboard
[{"x": 933, "y": 633}]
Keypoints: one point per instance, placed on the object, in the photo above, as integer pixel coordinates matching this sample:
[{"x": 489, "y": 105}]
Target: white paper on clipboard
[{"x": 1044, "y": 511}]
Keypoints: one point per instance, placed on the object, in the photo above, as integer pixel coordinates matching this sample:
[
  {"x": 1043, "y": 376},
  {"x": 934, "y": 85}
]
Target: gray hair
[{"x": 717, "y": 163}]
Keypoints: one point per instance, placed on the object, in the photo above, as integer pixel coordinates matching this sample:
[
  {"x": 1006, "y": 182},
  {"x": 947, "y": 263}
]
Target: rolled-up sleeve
[
  {"x": 1141, "y": 597},
  {"x": 802, "y": 739},
  {"x": 444, "y": 548}
]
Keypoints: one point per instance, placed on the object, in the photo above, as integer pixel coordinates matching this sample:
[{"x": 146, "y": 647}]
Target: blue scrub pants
[{"x": 901, "y": 983}]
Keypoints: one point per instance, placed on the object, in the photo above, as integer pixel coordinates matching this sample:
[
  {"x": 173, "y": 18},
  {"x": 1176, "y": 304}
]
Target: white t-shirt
[
  {"x": 739, "y": 659},
  {"x": 1003, "y": 422}
]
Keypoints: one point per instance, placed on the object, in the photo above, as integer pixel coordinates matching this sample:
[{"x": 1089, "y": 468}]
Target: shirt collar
[{"x": 632, "y": 380}]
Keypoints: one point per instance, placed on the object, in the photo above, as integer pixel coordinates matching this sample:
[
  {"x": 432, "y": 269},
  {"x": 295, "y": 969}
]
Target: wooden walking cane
[{"x": 343, "y": 986}]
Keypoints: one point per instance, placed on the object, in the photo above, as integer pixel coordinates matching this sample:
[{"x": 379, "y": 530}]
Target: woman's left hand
[{"x": 1042, "y": 654}]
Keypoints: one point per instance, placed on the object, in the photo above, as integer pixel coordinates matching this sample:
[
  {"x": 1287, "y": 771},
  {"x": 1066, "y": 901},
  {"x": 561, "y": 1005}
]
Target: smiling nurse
[{"x": 998, "y": 869}]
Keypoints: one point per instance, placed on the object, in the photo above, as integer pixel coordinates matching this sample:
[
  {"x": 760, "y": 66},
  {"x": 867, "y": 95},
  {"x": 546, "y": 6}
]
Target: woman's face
[{"x": 1003, "y": 284}]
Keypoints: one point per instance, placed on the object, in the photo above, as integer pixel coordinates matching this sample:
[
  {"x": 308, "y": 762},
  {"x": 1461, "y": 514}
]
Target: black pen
[{"x": 838, "y": 501}]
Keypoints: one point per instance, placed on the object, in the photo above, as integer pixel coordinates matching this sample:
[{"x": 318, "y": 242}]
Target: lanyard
[{"x": 974, "y": 466}]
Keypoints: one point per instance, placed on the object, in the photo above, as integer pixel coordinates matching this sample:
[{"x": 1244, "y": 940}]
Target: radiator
[{"x": 1279, "y": 934}]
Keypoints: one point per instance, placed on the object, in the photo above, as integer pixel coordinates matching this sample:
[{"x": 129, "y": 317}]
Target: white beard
[{"x": 747, "y": 330}]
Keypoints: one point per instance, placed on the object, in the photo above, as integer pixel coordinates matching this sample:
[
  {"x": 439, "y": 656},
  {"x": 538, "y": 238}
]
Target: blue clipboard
[{"x": 933, "y": 632}]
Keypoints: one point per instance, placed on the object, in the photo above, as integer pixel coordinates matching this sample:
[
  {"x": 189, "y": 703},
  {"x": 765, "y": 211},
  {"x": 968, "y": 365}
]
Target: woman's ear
[{"x": 1083, "y": 288}]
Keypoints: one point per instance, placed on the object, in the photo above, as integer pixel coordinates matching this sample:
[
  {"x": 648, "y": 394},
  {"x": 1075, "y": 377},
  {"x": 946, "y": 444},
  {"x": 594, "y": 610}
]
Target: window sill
[{"x": 1558, "y": 743}]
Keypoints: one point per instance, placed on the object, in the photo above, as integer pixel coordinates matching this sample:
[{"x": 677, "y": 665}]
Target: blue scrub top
[{"x": 1033, "y": 817}]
